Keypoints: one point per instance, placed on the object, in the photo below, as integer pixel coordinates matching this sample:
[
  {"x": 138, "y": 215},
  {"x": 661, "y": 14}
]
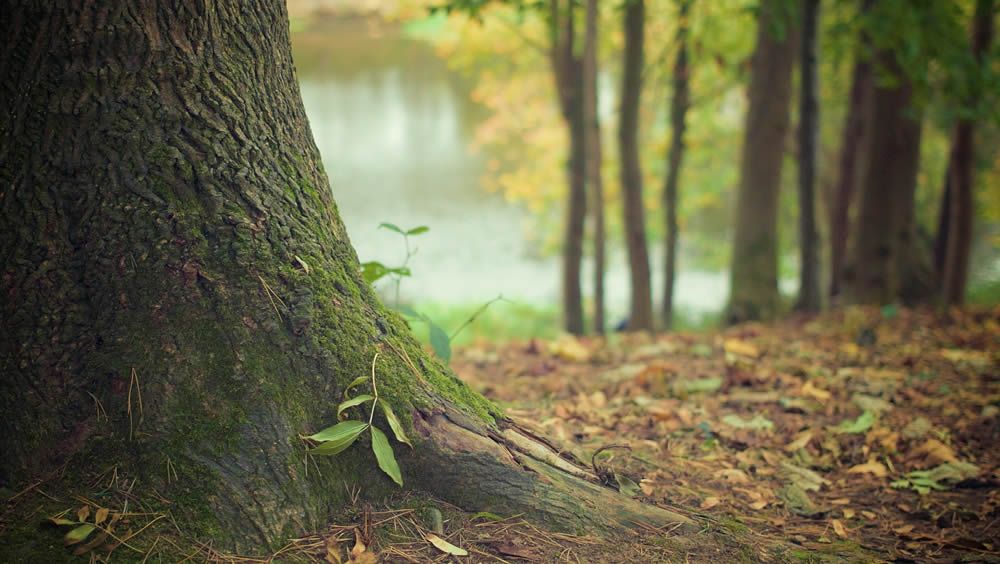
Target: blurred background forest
[{"x": 484, "y": 121}]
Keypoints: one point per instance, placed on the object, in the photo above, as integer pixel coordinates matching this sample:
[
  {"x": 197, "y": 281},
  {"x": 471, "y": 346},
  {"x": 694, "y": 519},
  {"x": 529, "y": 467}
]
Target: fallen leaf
[
  {"x": 816, "y": 393},
  {"x": 101, "y": 515},
  {"x": 758, "y": 423},
  {"x": 871, "y": 467},
  {"x": 445, "y": 546},
  {"x": 859, "y": 425},
  {"x": 839, "y": 528},
  {"x": 800, "y": 442},
  {"x": 710, "y": 502},
  {"x": 733, "y": 475},
  {"x": 741, "y": 348},
  {"x": 932, "y": 453},
  {"x": 569, "y": 348}
]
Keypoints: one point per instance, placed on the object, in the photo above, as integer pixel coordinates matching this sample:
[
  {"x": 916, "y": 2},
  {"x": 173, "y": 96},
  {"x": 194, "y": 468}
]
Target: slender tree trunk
[
  {"x": 883, "y": 256},
  {"x": 754, "y": 272},
  {"x": 179, "y": 292},
  {"x": 961, "y": 170},
  {"x": 851, "y": 159},
  {"x": 593, "y": 159},
  {"x": 809, "y": 293},
  {"x": 568, "y": 72},
  {"x": 641, "y": 311},
  {"x": 679, "y": 104}
]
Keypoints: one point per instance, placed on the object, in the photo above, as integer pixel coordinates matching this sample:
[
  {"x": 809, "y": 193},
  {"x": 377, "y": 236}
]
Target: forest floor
[{"x": 862, "y": 434}]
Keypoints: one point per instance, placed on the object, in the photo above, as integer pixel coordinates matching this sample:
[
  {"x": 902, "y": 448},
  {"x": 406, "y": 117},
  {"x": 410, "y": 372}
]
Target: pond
[{"x": 394, "y": 126}]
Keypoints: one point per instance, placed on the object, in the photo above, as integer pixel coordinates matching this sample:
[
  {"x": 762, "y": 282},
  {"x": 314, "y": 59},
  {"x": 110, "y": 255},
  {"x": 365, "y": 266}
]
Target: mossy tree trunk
[
  {"x": 754, "y": 271},
  {"x": 180, "y": 299}
]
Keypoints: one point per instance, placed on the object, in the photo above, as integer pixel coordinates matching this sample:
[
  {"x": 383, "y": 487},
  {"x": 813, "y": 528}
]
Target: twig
[
  {"x": 134, "y": 380},
  {"x": 473, "y": 317}
]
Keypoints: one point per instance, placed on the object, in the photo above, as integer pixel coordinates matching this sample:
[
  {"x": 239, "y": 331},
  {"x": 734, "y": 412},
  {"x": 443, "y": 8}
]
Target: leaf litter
[{"x": 802, "y": 431}]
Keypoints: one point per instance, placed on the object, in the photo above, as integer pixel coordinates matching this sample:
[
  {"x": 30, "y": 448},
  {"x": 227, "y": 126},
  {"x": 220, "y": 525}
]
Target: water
[{"x": 394, "y": 126}]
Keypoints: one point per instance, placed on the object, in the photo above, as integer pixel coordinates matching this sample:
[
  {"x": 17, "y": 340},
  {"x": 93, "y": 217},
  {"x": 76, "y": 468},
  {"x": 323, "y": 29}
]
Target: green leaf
[
  {"x": 62, "y": 521},
  {"x": 418, "y": 230},
  {"x": 391, "y": 227},
  {"x": 384, "y": 455},
  {"x": 373, "y": 270},
  {"x": 78, "y": 534},
  {"x": 487, "y": 516},
  {"x": 627, "y": 486},
  {"x": 395, "y": 424},
  {"x": 410, "y": 312},
  {"x": 859, "y": 425},
  {"x": 353, "y": 402},
  {"x": 340, "y": 435},
  {"x": 354, "y": 383},
  {"x": 440, "y": 342},
  {"x": 758, "y": 423}
]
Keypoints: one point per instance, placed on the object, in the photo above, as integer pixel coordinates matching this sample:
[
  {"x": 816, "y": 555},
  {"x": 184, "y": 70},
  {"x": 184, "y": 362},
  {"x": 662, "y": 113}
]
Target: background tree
[
  {"x": 754, "y": 270},
  {"x": 567, "y": 68},
  {"x": 167, "y": 230},
  {"x": 809, "y": 293},
  {"x": 593, "y": 159},
  {"x": 851, "y": 157},
  {"x": 679, "y": 102},
  {"x": 885, "y": 229},
  {"x": 641, "y": 309},
  {"x": 958, "y": 192}
]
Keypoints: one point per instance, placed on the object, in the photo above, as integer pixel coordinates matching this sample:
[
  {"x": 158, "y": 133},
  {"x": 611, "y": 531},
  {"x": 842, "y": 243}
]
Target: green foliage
[{"x": 338, "y": 438}]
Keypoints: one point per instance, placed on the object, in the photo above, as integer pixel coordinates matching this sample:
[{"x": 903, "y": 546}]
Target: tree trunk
[
  {"x": 679, "y": 104},
  {"x": 961, "y": 169},
  {"x": 179, "y": 292},
  {"x": 809, "y": 294},
  {"x": 754, "y": 273},
  {"x": 884, "y": 258},
  {"x": 567, "y": 69},
  {"x": 641, "y": 311},
  {"x": 593, "y": 159},
  {"x": 851, "y": 158}
]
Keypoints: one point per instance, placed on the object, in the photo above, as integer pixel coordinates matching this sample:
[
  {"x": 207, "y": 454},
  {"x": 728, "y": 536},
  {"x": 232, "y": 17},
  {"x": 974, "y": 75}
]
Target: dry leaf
[
  {"x": 839, "y": 528},
  {"x": 333, "y": 550},
  {"x": 872, "y": 467},
  {"x": 101, "y": 515},
  {"x": 932, "y": 453},
  {"x": 818, "y": 394},
  {"x": 733, "y": 475},
  {"x": 83, "y": 513},
  {"x": 800, "y": 442},
  {"x": 848, "y": 513},
  {"x": 445, "y": 546},
  {"x": 741, "y": 348},
  {"x": 710, "y": 502}
]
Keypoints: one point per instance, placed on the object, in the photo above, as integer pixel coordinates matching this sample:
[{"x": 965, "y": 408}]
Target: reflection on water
[{"x": 394, "y": 125}]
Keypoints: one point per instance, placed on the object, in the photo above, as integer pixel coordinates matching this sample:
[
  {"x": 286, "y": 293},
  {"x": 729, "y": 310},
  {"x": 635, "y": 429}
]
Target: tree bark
[
  {"x": 851, "y": 158},
  {"x": 884, "y": 258},
  {"x": 593, "y": 159},
  {"x": 961, "y": 170},
  {"x": 178, "y": 289},
  {"x": 641, "y": 309},
  {"x": 754, "y": 272},
  {"x": 679, "y": 104},
  {"x": 809, "y": 293},
  {"x": 567, "y": 69}
]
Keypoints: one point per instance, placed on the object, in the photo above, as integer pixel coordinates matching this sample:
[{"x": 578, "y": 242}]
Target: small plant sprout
[{"x": 338, "y": 438}]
